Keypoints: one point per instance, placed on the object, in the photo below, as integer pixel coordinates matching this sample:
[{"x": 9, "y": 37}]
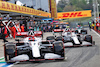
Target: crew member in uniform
[{"x": 3, "y": 32}]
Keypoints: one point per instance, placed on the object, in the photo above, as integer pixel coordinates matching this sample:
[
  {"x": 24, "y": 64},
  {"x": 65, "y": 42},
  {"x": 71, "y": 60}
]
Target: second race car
[{"x": 72, "y": 39}]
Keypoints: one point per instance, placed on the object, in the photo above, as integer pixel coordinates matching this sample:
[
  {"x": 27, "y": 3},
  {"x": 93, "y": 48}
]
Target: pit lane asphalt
[{"x": 76, "y": 57}]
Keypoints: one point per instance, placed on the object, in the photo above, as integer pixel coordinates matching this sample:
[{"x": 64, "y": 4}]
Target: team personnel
[
  {"x": 22, "y": 28},
  {"x": 3, "y": 32},
  {"x": 13, "y": 30}
]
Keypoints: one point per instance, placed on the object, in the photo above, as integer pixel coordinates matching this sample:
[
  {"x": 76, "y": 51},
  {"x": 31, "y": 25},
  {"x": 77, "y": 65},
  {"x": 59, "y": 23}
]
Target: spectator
[
  {"x": 44, "y": 28},
  {"x": 15, "y": 2},
  {"x": 24, "y": 5},
  {"x": 3, "y": 32},
  {"x": 93, "y": 24},
  {"x": 49, "y": 28},
  {"x": 89, "y": 25},
  {"x": 97, "y": 25}
]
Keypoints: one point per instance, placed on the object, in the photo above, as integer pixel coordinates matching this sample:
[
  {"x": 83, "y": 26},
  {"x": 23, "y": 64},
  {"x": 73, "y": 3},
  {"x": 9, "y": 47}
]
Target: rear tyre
[
  {"x": 88, "y": 38},
  {"x": 59, "y": 49},
  {"x": 83, "y": 31},
  {"x": 50, "y": 38},
  {"x": 9, "y": 51},
  {"x": 60, "y": 38}
]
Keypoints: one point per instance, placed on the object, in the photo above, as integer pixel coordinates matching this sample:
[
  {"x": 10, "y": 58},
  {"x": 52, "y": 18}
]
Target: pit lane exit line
[{"x": 96, "y": 33}]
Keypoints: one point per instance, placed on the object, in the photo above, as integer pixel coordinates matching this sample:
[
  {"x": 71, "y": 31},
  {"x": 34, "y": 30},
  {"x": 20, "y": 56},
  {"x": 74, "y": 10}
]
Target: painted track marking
[
  {"x": 2, "y": 59},
  {"x": 4, "y": 64},
  {"x": 96, "y": 33}
]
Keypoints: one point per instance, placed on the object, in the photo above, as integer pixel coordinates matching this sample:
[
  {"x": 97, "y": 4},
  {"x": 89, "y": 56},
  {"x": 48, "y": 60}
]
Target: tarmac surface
[{"x": 76, "y": 57}]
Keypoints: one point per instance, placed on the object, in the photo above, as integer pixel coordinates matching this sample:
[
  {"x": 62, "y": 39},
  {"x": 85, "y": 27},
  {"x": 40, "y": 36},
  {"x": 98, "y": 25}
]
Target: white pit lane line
[
  {"x": 96, "y": 32},
  {"x": 65, "y": 58}
]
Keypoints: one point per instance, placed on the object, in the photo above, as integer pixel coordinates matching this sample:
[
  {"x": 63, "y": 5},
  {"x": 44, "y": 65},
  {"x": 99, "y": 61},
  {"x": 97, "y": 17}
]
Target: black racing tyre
[
  {"x": 88, "y": 38},
  {"x": 59, "y": 48},
  {"x": 83, "y": 31},
  {"x": 8, "y": 57},
  {"x": 50, "y": 38},
  {"x": 9, "y": 51},
  {"x": 59, "y": 38}
]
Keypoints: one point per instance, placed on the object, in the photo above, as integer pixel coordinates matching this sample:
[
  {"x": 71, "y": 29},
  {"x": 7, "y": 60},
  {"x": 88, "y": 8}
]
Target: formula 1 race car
[
  {"x": 80, "y": 30},
  {"x": 71, "y": 39},
  {"x": 33, "y": 49}
]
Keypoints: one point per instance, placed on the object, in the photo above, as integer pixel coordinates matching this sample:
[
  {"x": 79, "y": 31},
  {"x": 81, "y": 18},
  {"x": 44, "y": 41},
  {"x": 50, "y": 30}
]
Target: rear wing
[
  {"x": 58, "y": 30},
  {"x": 36, "y": 33}
]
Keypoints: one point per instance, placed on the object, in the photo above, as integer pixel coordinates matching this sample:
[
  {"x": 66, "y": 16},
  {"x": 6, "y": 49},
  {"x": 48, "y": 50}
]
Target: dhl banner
[
  {"x": 74, "y": 14},
  {"x": 53, "y": 8},
  {"x": 5, "y": 6}
]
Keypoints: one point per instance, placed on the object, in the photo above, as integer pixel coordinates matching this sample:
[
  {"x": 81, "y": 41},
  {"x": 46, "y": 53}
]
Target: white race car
[
  {"x": 33, "y": 49},
  {"x": 80, "y": 30},
  {"x": 72, "y": 39}
]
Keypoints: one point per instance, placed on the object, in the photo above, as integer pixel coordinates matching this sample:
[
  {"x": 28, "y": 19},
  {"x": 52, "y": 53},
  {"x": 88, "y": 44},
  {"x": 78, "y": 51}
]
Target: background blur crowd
[{"x": 93, "y": 25}]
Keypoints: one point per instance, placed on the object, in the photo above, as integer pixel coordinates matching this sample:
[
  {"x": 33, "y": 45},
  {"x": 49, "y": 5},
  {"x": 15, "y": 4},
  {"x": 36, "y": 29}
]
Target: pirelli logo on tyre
[{"x": 74, "y": 14}]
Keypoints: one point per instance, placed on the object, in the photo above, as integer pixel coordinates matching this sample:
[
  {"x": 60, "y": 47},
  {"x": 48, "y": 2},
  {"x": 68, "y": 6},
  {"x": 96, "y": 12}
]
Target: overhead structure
[
  {"x": 6, "y": 7},
  {"x": 53, "y": 8},
  {"x": 13, "y": 9}
]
